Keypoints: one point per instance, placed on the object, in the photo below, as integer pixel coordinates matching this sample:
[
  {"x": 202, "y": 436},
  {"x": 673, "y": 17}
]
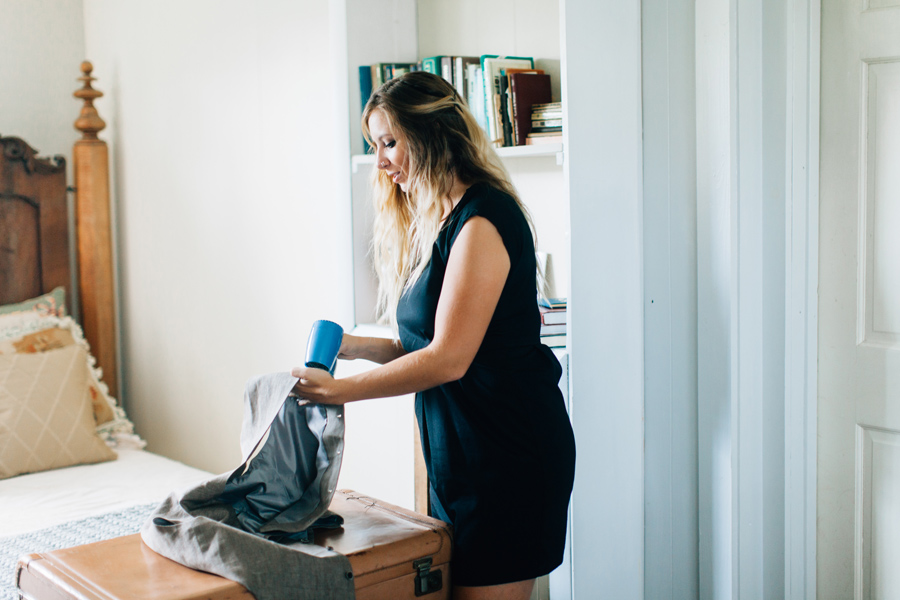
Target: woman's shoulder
[
  {"x": 497, "y": 206},
  {"x": 485, "y": 200}
]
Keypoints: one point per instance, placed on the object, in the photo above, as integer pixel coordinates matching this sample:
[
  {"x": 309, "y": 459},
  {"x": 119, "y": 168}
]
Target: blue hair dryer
[{"x": 323, "y": 345}]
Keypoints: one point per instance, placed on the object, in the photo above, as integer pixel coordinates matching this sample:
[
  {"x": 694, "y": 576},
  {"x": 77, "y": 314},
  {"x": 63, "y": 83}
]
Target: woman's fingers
[{"x": 315, "y": 385}]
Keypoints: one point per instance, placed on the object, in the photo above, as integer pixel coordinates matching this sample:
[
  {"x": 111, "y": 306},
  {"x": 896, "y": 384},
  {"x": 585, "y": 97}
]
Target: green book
[
  {"x": 552, "y": 302},
  {"x": 432, "y": 64}
]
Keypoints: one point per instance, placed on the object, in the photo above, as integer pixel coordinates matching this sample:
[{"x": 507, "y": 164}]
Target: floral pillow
[
  {"x": 51, "y": 303},
  {"x": 27, "y": 317}
]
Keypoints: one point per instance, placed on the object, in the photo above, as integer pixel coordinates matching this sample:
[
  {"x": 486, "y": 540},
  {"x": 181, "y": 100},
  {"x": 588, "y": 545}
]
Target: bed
[{"x": 72, "y": 468}]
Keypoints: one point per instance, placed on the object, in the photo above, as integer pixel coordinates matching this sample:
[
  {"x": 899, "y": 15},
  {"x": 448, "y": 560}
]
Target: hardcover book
[
  {"x": 505, "y": 112},
  {"x": 461, "y": 72},
  {"x": 398, "y": 69},
  {"x": 432, "y": 64},
  {"x": 475, "y": 96},
  {"x": 553, "y": 316},
  {"x": 447, "y": 69},
  {"x": 554, "y": 341},
  {"x": 556, "y": 138},
  {"x": 555, "y": 329},
  {"x": 365, "y": 91},
  {"x": 527, "y": 89},
  {"x": 552, "y": 302},
  {"x": 376, "y": 75},
  {"x": 493, "y": 67}
]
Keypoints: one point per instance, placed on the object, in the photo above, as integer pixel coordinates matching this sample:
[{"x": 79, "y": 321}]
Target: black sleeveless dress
[{"x": 498, "y": 443}]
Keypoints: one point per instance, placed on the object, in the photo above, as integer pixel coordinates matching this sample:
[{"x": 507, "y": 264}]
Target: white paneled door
[{"x": 858, "y": 532}]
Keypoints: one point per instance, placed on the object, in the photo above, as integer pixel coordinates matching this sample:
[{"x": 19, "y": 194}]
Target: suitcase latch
[{"x": 427, "y": 581}]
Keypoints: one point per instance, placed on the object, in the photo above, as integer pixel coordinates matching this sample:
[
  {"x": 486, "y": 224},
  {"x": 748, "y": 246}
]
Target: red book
[
  {"x": 552, "y": 316},
  {"x": 527, "y": 89}
]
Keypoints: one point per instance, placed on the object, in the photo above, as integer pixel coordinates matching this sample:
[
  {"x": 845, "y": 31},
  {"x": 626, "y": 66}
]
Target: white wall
[
  {"x": 41, "y": 49},
  {"x": 231, "y": 240}
]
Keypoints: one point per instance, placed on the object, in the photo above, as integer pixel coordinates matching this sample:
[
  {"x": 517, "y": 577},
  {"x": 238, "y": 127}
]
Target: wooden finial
[{"x": 89, "y": 122}]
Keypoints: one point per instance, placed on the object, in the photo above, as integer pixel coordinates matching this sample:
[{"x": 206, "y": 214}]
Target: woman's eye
[{"x": 390, "y": 144}]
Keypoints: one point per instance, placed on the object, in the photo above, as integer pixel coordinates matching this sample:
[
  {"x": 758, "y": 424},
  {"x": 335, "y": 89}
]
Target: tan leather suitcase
[{"x": 395, "y": 554}]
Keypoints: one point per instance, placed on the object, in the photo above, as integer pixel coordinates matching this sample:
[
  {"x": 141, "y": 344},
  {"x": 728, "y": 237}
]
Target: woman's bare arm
[
  {"x": 476, "y": 273},
  {"x": 379, "y": 350}
]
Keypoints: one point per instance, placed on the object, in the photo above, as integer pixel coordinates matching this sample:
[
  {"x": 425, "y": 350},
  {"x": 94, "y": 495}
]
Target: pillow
[
  {"x": 46, "y": 415},
  {"x": 39, "y": 341},
  {"x": 53, "y": 302},
  {"x": 52, "y": 333},
  {"x": 26, "y": 317}
]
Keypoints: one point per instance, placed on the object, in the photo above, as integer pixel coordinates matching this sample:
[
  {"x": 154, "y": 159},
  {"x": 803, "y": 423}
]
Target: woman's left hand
[{"x": 317, "y": 385}]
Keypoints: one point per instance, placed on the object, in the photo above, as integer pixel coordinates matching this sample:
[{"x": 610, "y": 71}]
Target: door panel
[
  {"x": 858, "y": 495},
  {"x": 882, "y": 204},
  {"x": 878, "y": 513}
]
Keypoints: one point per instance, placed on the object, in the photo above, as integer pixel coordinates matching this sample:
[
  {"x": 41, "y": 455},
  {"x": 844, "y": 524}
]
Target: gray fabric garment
[{"x": 195, "y": 527}]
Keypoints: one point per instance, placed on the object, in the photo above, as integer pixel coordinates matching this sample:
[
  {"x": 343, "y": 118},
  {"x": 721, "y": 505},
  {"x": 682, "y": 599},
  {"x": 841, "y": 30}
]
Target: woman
[{"x": 456, "y": 259}]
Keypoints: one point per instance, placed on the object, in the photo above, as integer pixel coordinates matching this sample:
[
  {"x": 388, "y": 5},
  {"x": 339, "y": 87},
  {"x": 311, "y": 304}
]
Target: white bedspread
[{"x": 39, "y": 500}]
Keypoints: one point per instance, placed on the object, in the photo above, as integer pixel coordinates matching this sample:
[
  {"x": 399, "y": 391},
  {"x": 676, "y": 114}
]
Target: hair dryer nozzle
[{"x": 323, "y": 345}]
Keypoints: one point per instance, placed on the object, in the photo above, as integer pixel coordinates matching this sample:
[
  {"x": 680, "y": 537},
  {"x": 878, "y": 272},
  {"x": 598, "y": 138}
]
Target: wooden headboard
[
  {"x": 34, "y": 228},
  {"x": 34, "y": 224}
]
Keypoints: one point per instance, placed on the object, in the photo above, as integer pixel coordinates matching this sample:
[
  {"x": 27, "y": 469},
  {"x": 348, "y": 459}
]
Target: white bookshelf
[
  {"x": 409, "y": 30},
  {"x": 555, "y": 150}
]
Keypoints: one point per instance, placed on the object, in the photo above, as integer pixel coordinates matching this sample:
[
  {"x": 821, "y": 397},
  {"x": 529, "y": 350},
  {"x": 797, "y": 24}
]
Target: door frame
[{"x": 801, "y": 297}]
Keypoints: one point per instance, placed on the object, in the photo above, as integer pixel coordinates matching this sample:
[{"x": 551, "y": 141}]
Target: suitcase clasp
[{"x": 427, "y": 581}]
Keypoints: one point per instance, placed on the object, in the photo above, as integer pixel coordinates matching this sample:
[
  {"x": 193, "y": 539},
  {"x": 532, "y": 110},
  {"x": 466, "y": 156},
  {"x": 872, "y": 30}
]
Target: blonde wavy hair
[{"x": 443, "y": 143}]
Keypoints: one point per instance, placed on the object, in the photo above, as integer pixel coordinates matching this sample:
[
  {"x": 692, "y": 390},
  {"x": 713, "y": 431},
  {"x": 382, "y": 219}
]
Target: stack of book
[
  {"x": 499, "y": 90},
  {"x": 546, "y": 124},
  {"x": 553, "y": 321}
]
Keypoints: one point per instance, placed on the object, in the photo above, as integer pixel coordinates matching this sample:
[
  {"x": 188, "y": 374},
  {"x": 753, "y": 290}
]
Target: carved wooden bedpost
[{"x": 92, "y": 221}]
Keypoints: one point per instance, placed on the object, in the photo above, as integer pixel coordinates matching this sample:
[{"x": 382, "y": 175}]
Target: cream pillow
[
  {"x": 46, "y": 414},
  {"x": 60, "y": 336},
  {"x": 51, "y": 332}
]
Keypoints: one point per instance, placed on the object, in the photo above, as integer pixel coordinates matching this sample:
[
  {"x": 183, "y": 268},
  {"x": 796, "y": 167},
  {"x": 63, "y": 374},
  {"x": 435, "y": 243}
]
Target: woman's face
[{"x": 390, "y": 152}]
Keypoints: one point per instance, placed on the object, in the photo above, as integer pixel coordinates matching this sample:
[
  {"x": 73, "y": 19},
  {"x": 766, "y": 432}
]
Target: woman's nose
[{"x": 380, "y": 161}]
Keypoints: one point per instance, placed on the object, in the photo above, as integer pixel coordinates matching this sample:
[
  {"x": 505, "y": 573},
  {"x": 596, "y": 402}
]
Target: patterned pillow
[
  {"x": 51, "y": 303},
  {"x": 53, "y": 338},
  {"x": 27, "y": 317},
  {"x": 46, "y": 415}
]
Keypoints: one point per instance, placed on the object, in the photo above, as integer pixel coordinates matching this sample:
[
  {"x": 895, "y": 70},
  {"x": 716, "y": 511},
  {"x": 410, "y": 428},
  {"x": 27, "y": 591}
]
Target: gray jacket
[{"x": 249, "y": 524}]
